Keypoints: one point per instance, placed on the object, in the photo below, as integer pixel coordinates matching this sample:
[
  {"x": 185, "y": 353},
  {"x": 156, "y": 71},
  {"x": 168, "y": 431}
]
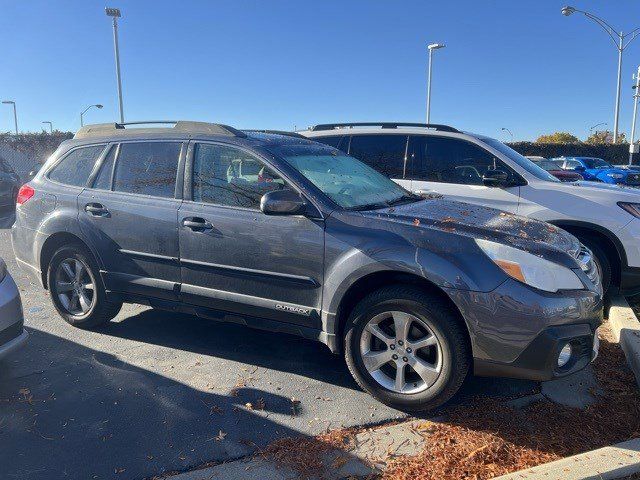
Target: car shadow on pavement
[
  {"x": 275, "y": 351},
  {"x": 68, "y": 411}
]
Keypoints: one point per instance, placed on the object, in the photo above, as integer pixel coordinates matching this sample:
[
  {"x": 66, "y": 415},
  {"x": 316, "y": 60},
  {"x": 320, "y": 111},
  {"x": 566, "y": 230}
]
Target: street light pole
[
  {"x": 633, "y": 149},
  {"x": 50, "y": 126},
  {"x": 15, "y": 114},
  {"x": 97, "y": 105},
  {"x": 115, "y": 14},
  {"x": 619, "y": 42},
  {"x": 432, "y": 47},
  {"x": 596, "y": 125}
]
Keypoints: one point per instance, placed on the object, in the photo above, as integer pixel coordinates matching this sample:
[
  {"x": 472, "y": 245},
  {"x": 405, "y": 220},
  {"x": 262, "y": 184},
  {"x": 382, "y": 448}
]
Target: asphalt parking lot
[{"x": 155, "y": 392}]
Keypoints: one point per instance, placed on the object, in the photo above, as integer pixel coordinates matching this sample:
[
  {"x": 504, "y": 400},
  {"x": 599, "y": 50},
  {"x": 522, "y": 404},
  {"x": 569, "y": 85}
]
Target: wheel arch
[
  {"x": 610, "y": 243},
  {"x": 379, "y": 279},
  {"x": 52, "y": 244}
]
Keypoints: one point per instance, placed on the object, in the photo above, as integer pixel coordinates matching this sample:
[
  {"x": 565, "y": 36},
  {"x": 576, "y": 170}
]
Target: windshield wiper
[
  {"x": 369, "y": 206},
  {"x": 405, "y": 199}
]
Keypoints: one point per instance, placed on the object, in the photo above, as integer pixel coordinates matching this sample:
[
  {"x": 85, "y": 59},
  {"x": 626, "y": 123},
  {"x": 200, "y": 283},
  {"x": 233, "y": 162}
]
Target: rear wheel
[
  {"x": 407, "y": 348},
  {"x": 76, "y": 289}
]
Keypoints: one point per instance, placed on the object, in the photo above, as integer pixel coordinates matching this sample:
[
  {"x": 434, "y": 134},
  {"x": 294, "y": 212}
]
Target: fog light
[{"x": 565, "y": 355}]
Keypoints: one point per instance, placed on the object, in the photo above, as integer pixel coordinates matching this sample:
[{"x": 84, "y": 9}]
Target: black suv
[{"x": 282, "y": 233}]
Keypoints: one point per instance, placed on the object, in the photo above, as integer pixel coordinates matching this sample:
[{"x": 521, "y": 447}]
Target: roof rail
[
  {"x": 333, "y": 126},
  {"x": 278, "y": 132},
  {"x": 105, "y": 129}
]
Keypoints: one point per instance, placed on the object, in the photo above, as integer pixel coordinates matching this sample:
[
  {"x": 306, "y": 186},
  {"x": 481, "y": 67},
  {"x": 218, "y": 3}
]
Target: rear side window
[
  {"x": 103, "y": 180},
  {"x": 449, "y": 160},
  {"x": 75, "y": 168},
  {"x": 385, "y": 153},
  {"x": 147, "y": 168}
]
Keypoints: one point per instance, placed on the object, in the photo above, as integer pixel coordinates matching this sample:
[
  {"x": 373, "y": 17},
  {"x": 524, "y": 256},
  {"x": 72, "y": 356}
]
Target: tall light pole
[
  {"x": 115, "y": 14},
  {"x": 432, "y": 47},
  {"x": 50, "y": 126},
  {"x": 619, "y": 42},
  {"x": 97, "y": 105},
  {"x": 504, "y": 129},
  {"x": 597, "y": 125},
  {"x": 15, "y": 114},
  {"x": 633, "y": 149}
]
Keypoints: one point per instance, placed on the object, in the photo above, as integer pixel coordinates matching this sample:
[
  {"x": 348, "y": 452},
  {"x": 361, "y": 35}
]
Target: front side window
[
  {"x": 449, "y": 160},
  {"x": 570, "y": 164},
  {"x": 228, "y": 176},
  {"x": 347, "y": 181},
  {"x": 521, "y": 161},
  {"x": 147, "y": 168},
  {"x": 74, "y": 169},
  {"x": 385, "y": 153}
]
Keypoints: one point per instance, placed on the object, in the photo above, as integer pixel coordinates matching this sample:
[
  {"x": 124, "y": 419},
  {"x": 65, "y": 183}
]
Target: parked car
[
  {"x": 596, "y": 169},
  {"x": 481, "y": 170},
  {"x": 556, "y": 170},
  {"x": 9, "y": 184},
  {"x": 289, "y": 235},
  {"x": 12, "y": 332}
]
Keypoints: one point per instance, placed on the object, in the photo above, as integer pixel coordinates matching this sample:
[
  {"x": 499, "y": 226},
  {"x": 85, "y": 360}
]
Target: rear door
[
  {"x": 454, "y": 167},
  {"x": 235, "y": 258},
  {"x": 130, "y": 215}
]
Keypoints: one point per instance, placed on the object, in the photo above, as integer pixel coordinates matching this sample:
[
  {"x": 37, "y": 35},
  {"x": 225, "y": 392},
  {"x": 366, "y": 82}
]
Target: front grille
[{"x": 584, "y": 257}]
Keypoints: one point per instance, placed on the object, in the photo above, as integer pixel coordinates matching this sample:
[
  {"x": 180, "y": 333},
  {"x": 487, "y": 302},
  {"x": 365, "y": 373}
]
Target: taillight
[{"x": 24, "y": 194}]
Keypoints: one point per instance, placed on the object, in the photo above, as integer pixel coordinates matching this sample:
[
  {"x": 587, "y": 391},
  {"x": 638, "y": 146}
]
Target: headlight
[
  {"x": 530, "y": 269},
  {"x": 632, "y": 208},
  {"x": 3, "y": 269},
  {"x": 615, "y": 175}
]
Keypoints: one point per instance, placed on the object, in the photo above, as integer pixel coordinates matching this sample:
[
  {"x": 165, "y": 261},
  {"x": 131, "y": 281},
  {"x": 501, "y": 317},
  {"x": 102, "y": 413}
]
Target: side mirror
[
  {"x": 495, "y": 178},
  {"x": 283, "y": 202}
]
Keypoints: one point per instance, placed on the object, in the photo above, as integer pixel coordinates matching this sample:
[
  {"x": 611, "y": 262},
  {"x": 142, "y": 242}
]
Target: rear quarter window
[{"x": 74, "y": 169}]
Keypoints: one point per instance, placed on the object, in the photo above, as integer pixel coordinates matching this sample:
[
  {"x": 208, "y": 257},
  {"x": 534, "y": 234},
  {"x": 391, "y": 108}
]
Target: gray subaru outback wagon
[{"x": 281, "y": 233}]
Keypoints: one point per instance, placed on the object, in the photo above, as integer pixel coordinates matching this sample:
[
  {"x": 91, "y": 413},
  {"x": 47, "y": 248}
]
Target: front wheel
[
  {"x": 76, "y": 289},
  {"x": 407, "y": 348}
]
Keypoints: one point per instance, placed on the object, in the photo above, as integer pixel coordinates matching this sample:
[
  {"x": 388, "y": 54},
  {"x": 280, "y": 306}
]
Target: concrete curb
[
  {"x": 608, "y": 463},
  {"x": 626, "y": 331}
]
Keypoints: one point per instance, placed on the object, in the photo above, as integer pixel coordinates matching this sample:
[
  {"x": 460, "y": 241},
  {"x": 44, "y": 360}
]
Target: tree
[
  {"x": 558, "y": 137},
  {"x": 606, "y": 137}
]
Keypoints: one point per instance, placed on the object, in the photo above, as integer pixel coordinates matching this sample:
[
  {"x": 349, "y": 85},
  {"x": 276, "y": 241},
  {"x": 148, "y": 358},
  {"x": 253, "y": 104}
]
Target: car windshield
[
  {"x": 521, "y": 161},
  {"x": 595, "y": 163},
  {"x": 346, "y": 180}
]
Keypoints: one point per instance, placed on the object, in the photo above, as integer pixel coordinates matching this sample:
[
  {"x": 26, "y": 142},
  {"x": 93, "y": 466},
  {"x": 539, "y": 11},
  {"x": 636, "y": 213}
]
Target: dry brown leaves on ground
[{"x": 485, "y": 438}]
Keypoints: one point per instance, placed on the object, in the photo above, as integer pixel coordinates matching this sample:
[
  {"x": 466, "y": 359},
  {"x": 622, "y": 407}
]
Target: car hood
[
  {"x": 608, "y": 170},
  {"x": 587, "y": 186},
  {"x": 476, "y": 221}
]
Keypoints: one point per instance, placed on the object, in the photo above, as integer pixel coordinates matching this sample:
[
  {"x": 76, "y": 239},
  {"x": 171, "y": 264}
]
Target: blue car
[{"x": 596, "y": 169}]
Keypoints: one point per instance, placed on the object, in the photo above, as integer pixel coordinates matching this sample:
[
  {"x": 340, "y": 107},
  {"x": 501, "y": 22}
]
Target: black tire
[
  {"x": 601, "y": 259},
  {"x": 102, "y": 309},
  {"x": 444, "y": 323}
]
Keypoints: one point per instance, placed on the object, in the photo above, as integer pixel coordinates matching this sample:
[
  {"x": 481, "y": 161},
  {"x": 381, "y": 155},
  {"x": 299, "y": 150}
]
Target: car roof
[{"x": 181, "y": 130}]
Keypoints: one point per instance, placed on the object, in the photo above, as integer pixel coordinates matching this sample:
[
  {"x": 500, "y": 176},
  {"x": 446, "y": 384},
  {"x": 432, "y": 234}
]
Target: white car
[{"x": 477, "y": 169}]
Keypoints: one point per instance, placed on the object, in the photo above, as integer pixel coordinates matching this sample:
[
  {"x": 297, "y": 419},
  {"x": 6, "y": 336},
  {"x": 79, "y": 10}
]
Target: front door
[
  {"x": 236, "y": 259},
  {"x": 130, "y": 216},
  {"x": 454, "y": 168}
]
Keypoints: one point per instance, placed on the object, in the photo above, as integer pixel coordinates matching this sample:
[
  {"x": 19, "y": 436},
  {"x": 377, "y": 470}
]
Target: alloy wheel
[
  {"x": 401, "y": 352},
  {"x": 75, "y": 286}
]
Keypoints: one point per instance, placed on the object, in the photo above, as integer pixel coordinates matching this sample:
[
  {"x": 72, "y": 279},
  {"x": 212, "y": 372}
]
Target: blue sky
[{"x": 276, "y": 64}]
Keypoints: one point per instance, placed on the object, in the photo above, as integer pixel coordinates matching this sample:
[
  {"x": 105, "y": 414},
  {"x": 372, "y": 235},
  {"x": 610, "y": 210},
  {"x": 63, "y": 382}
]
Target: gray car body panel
[
  {"x": 12, "y": 332},
  {"x": 433, "y": 239}
]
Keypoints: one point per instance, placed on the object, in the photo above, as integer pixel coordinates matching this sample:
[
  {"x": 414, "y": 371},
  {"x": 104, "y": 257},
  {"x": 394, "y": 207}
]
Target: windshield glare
[
  {"x": 347, "y": 181},
  {"x": 596, "y": 163},
  {"x": 523, "y": 162}
]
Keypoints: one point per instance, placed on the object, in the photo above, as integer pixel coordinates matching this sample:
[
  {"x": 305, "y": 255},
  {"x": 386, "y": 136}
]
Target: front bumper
[
  {"x": 517, "y": 331},
  {"x": 12, "y": 332}
]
